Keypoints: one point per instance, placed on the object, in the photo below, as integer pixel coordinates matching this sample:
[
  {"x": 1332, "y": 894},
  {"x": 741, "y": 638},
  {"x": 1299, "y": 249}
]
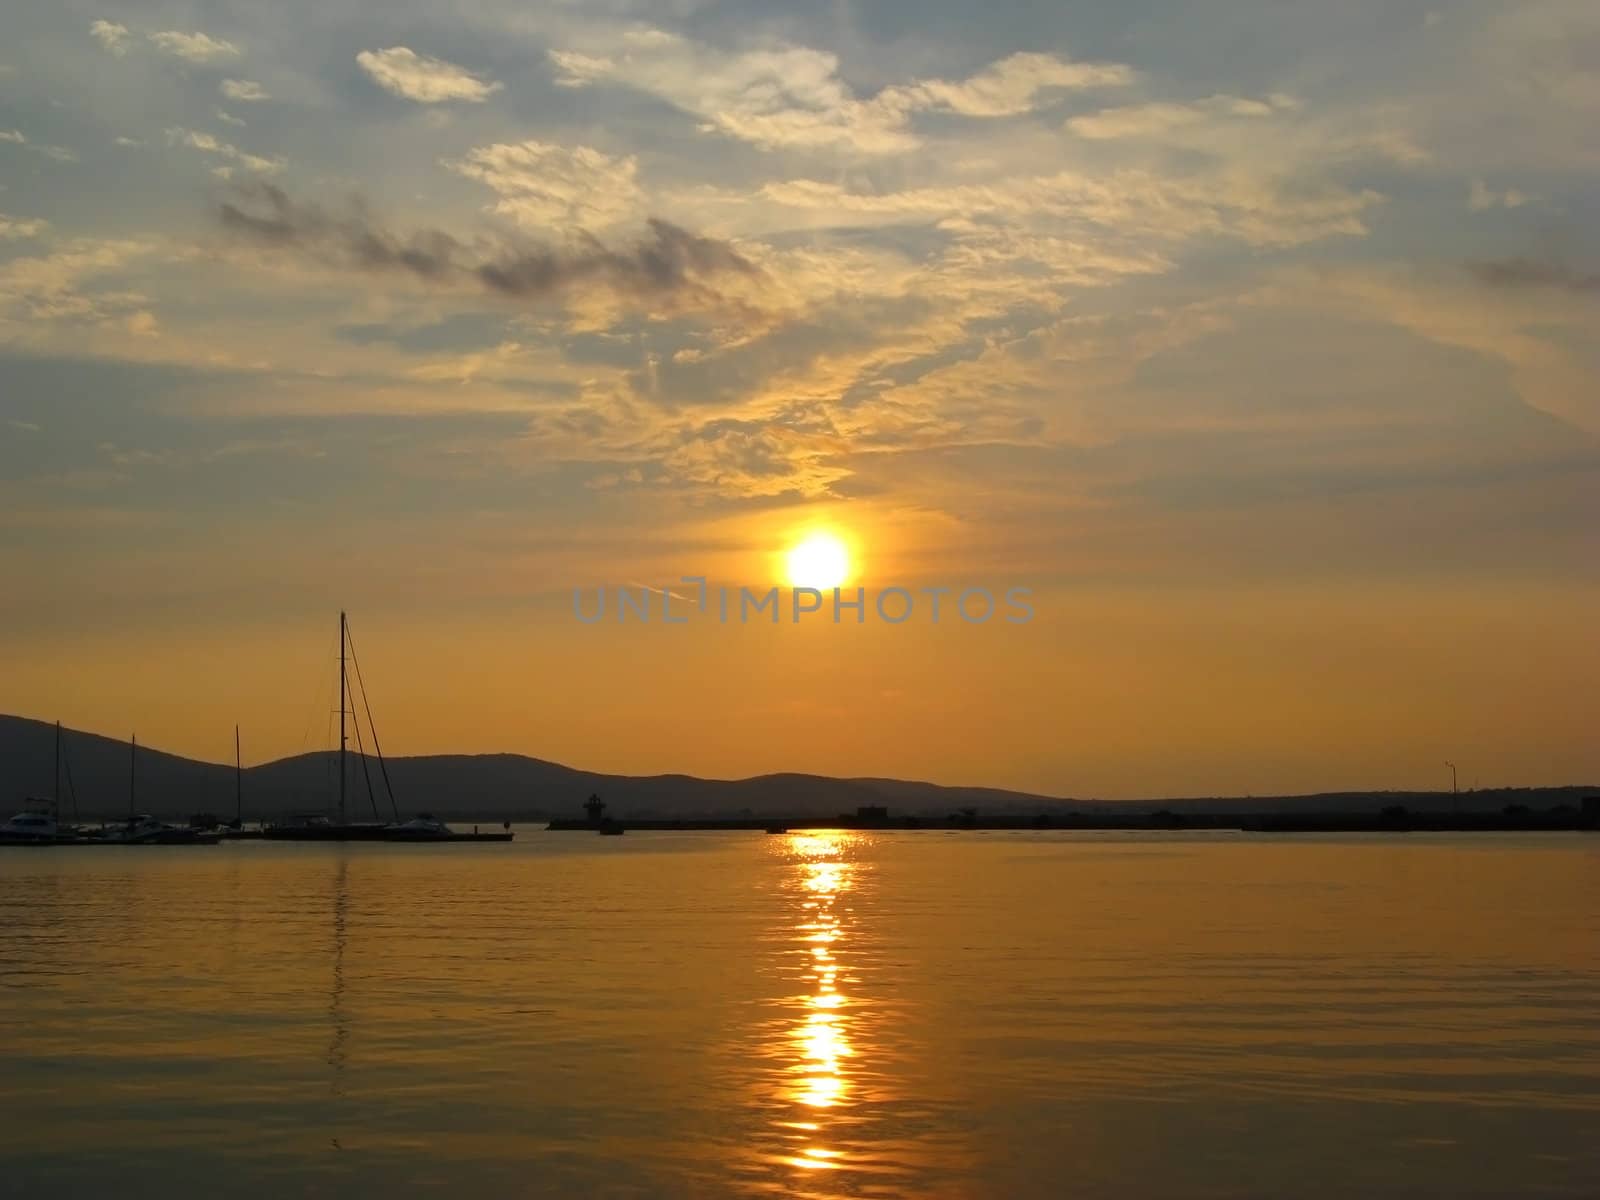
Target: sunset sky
[{"x": 1259, "y": 339}]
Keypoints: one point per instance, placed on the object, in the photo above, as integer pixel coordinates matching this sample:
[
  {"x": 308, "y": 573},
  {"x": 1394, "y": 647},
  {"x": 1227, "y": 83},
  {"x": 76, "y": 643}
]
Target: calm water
[{"x": 906, "y": 1014}]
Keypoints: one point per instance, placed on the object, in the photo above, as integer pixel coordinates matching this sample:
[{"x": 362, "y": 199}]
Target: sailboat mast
[
  {"x": 238, "y": 780},
  {"x": 133, "y": 764},
  {"x": 341, "y": 719},
  {"x": 55, "y": 796}
]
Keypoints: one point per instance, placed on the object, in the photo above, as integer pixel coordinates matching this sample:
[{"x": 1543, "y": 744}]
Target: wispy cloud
[
  {"x": 194, "y": 47},
  {"x": 14, "y": 228},
  {"x": 246, "y": 91},
  {"x": 667, "y": 266},
  {"x": 55, "y": 284},
  {"x": 1129, "y": 204},
  {"x": 541, "y": 185},
  {"x": 59, "y": 154},
  {"x": 112, "y": 36},
  {"x": 1144, "y": 120},
  {"x": 1481, "y": 197},
  {"x": 793, "y": 96},
  {"x": 426, "y": 80},
  {"x": 1511, "y": 273},
  {"x": 1010, "y": 86},
  {"x": 208, "y": 144}
]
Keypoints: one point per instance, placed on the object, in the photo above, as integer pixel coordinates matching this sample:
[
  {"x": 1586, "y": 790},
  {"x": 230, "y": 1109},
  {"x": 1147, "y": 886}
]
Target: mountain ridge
[{"x": 97, "y": 769}]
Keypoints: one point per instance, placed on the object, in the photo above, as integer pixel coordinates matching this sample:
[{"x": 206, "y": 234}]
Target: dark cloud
[
  {"x": 1531, "y": 273},
  {"x": 668, "y": 264}
]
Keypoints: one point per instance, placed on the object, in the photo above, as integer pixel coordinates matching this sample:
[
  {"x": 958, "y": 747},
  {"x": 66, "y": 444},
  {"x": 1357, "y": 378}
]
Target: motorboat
[
  {"x": 428, "y": 828},
  {"x": 142, "y": 829},
  {"x": 319, "y": 827},
  {"x": 35, "y": 825}
]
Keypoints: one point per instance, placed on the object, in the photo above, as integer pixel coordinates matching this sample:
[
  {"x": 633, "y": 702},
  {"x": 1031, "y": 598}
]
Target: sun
[{"x": 820, "y": 561}]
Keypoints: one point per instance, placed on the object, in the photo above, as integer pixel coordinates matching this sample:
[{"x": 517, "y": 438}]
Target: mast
[
  {"x": 355, "y": 661},
  {"x": 238, "y": 781},
  {"x": 133, "y": 763},
  {"x": 341, "y": 718},
  {"x": 55, "y": 796}
]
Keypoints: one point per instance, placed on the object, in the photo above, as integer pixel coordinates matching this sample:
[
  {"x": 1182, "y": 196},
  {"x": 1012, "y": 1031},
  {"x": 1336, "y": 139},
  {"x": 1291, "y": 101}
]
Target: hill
[{"x": 491, "y": 786}]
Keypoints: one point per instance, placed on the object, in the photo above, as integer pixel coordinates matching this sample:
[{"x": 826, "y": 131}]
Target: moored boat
[
  {"x": 35, "y": 825},
  {"x": 39, "y": 823},
  {"x": 321, "y": 827},
  {"x": 142, "y": 829},
  {"x": 428, "y": 828}
]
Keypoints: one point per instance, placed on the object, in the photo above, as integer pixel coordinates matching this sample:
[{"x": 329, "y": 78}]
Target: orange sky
[{"x": 1273, "y": 378}]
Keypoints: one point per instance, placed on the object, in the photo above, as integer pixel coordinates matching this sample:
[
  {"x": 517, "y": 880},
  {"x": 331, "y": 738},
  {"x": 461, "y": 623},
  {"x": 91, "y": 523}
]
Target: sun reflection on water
[{"x": 818, "y": 1076}]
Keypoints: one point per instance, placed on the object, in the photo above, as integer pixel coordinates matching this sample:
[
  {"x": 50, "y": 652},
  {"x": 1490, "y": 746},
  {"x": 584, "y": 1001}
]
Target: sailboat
[
  {"x": 321, "y": 827},
  {"x": 39, "y": 822},
  {"x": 235, "y": 831}
]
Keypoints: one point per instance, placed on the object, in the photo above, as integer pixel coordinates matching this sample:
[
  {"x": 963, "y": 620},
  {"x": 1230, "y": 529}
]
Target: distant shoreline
[
  {"x": 1394, "y": 820},
  {"x": 90, "y": 774}
]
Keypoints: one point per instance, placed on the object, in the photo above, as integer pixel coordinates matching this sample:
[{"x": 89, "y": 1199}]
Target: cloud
[
  {"x": 1126, "y": 203},
  {"x": 1146, "y": 120},
  {"x": 1513, "y": 273},
  {"x": 542, "y": 185},
  {"x": 55, "y": 153},
  {"x": 142, "y": 324},
  {"x": 464, "y": 368},
  {"x": 208, "y": 144},
  {"x": 245, "y": 91},
  {"x": 1481, "y": 197},
  {"x": 1523, "y": 316},
  {"x": 668, "y": 268},
  {"x": 421, "y": 78},
  {"x": 112, "y": 36},
  {"x": 580, "y": 70},
  {"x": 15, "y": 228},
  {"x": 194, "y": 47},
  {"x": 227, "y": 118},
  {"x": 52, "y": 286},
  {"x": 1012, "y": 85},
  {"x": 754, "y": 458},
  {"x": 793, "y": 96}
]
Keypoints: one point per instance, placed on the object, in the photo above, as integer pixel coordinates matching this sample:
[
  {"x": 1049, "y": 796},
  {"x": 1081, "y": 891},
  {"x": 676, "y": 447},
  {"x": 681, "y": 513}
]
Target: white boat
[
  {"x": 142, "y": 829},
  {"x": 38, "y": 824},
  {"x": 426, "y": 826},
  {"x": 35, "y": 825}
]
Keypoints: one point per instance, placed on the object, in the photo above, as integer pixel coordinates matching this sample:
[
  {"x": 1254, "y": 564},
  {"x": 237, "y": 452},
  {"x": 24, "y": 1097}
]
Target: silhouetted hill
[
  {"x": 449, "y": 785},
  {"x": 494, "y": 785}
]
